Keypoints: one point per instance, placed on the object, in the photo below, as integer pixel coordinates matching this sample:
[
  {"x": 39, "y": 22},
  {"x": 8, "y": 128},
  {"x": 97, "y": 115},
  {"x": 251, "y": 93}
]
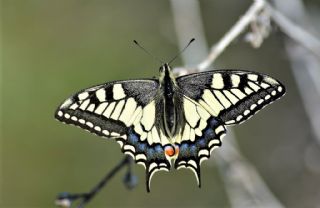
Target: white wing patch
[
  {"x": 109, "y": 109},
  {"x": 117, "y": 110},
  {"x": 235, "y": 80},
  {"x": 83, "y": 95},
  {"x": 222, "y": 99},
  {"x": 212, "y": 104},
  {"x": 196, "y": 118},
  {"x": 101, "y": 108},
  {"x": 101, "y": 94},
  {"x": 127, "y": 113},
  {"x": 217, "y": 81},
  {"x": 148, "y": 116},
  {"x": 118, "y": 92},
  {"x": 191, "y": 112}
]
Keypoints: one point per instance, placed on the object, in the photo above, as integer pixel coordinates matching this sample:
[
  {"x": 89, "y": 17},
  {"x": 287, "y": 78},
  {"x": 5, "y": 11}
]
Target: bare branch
[
  {"x": 239, "y": 27},
  {"x": 295, "y": 32},
  {"x": 291, "y": 29},
  {"x": 66, "y": 199}
]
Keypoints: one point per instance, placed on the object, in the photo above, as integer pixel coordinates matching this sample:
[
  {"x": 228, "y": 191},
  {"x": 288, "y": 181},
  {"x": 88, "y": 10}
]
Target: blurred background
[{"x": 51, "y": 49}]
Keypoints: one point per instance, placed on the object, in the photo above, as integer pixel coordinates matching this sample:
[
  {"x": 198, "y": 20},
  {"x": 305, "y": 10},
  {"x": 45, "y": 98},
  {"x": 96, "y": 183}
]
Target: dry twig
[
  {"x": 292, "y": 30},
  {"x": 67, "y": 199}
]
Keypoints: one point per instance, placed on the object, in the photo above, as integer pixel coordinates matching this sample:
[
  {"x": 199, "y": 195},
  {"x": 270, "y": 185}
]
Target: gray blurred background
[{"x": 51, "y": 49}]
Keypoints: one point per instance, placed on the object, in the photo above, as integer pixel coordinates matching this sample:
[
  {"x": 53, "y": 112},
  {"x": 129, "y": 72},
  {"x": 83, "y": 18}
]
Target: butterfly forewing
[
  {"x": 125, "y": 111},
  {"x": 233, "y": 96}
]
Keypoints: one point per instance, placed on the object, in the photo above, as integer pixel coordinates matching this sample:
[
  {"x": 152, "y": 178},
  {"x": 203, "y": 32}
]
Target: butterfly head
[
  {"x": 165, "y": 69},
  {"x": 166, "y": 75}
]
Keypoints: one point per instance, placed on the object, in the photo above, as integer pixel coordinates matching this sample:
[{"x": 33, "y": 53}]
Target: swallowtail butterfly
[{"x": 173, "y": 121}]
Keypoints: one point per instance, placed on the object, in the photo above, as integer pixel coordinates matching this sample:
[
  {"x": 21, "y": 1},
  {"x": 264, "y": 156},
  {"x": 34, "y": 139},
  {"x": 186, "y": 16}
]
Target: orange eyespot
[{"x": 171, "y": 150}]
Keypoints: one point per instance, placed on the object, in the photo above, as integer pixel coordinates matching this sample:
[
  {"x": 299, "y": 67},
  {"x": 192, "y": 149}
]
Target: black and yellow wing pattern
[
  {"x": 233, "y": 96},
  {"x": 126, "y": 112},
  {"x": 132, "y": 113},
  {"x": 214, "y": 99}
]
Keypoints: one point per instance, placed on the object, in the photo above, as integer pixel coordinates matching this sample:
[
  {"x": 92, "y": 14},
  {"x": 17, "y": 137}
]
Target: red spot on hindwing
[{"x": 171, "y": 150}]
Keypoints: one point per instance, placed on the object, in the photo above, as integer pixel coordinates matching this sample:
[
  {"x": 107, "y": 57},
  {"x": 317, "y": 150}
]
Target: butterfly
[{"x": 170, "y": 121}]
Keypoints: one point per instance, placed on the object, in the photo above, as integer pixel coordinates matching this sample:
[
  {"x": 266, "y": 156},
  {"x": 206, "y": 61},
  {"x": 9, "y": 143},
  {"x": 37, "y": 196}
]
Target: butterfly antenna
[
  {"x": 178, "y": 54},
  {"x": 147, "y": 52}
]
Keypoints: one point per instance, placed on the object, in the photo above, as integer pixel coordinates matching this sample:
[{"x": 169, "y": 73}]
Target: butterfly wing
[
  {"x": 201, "y": 133},
  {"x": 233, "y": 96},
  {"x": 126, "y": 112},
  {"x": 214, "y": 99}
]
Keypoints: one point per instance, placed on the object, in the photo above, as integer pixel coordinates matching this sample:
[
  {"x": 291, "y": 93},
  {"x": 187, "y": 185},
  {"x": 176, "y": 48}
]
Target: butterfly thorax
[{"x": 169, "y": 100}]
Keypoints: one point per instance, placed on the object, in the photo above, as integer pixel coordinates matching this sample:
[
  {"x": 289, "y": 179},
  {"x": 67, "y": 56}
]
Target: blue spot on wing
[
  {"x": 190, "y": 149},
  {"x": 133, "y": 138},
  {"x": 202, "y": 143},
  {"x": 154, "y": 153}
]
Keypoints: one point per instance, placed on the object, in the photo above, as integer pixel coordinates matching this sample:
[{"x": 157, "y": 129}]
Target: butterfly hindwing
[
  {"x": 125, "y": 111},
  {"x": 231, "y": 95},
  {"x": 201, "y": 133}
]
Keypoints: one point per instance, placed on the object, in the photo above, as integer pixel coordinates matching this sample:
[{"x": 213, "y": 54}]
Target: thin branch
[
  {"x": 291, "y": 29},
  {"x": 66, "y": 199},
  {"x": 295, "y": 32},
  {"x": 239, "y": 27}
]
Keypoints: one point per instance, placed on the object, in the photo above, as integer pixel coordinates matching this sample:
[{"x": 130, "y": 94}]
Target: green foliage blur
[{"x": 52, "y": 49}]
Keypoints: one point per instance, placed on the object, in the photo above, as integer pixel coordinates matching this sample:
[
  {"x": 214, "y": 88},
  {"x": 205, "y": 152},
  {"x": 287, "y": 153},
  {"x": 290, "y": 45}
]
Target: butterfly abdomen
[{"x": 169, "y": 101}]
